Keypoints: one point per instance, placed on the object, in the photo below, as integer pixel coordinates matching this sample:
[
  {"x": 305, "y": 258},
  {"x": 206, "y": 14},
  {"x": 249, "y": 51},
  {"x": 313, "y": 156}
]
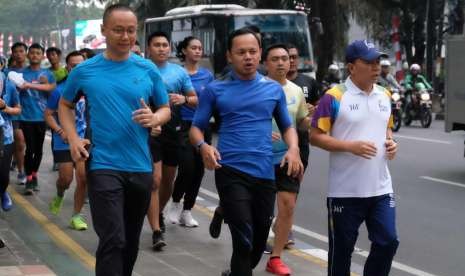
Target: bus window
[{"x": 281, "y": 29}]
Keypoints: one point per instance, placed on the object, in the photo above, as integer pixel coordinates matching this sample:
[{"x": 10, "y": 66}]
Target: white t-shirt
[{"x": 350, "y": 114}]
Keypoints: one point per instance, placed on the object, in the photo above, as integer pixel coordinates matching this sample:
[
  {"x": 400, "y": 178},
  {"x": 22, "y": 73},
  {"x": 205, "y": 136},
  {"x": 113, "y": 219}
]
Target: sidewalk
[{"x": 16, "y": 259}]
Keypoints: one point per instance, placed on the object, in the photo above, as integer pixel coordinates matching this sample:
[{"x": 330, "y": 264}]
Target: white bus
[{"x": 213, "y": 23}]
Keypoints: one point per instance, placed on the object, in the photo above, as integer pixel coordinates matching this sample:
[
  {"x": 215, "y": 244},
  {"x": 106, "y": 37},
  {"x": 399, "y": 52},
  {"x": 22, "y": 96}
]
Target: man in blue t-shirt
[
  {"x": 61, "y": 153},
  {"x": 9, "y": 106},
  {"x": 165, "y": 147},
  {"x": 245, "y": 103},
  {"x": 117, "y": 85},
  {"x": 33, "y": 96},
  {"x": 19, "y": 57}
]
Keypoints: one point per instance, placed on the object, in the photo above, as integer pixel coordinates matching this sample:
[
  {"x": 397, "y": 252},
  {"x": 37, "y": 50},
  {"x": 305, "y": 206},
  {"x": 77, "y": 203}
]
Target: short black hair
[
  {"x": 183, "y": 45},
  {"x": 74, "y": 54},
  {"x": 157, "y": 34},
  {"x": 241, "y": 31},
  {"x": 275, "y": 46},
  {"x": 88, "y": 53},
  {"x": 18, "y": 44},
  {"x": 115, "y": 7},
  {"x": 53, "y": 49},
  {"x": 36, "y": 46},
  {"x": 291, "y": 46},
  {"x": 254, "y": 28}
]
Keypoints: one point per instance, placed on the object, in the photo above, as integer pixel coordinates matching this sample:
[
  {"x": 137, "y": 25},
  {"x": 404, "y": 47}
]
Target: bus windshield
[{"x": 279, "y": 28}]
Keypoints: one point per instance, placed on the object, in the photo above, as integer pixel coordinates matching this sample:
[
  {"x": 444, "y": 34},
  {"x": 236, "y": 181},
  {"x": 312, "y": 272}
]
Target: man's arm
[
  {"x": 67, "y": 118},
  {"x": 11, "y": 110},
  {"x": 210, "y": 154},
  {"x": 391, "y": 145},
  {"x": 43, "y": 87},
  {"x": 292, "y": 156},
  {"x": 322, "y": 140}
]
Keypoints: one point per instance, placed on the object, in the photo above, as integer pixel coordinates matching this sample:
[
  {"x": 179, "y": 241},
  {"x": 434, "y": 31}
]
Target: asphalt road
[
  {"x": 429, "y": 182},
  {"x": 427, "y": 174}
]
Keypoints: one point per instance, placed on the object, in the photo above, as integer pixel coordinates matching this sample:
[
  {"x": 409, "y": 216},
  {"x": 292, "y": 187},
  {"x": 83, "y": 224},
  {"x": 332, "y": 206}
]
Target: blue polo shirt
[
  {"x": 199, "y": 80},
  {"x": 245, "y": 109},
  {"x": 113, "y": 90},
  {"x": 33, "y": 102},
  {"x": 79, "y": 110},
  {"x": 11, "y": 98}
]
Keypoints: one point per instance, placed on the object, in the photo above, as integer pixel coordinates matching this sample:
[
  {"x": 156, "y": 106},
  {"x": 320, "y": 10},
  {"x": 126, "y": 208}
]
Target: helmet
[
  {"x": 415, "y": 67},
  {"x": 333, "y": 67},
  {"x": 419, "y": 86},
  {"x": 385, "y": 62}
]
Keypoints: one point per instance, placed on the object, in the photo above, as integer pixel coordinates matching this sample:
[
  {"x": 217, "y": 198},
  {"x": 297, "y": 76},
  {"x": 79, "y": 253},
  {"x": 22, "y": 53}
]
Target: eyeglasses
[{"x": 122, "y": 31}]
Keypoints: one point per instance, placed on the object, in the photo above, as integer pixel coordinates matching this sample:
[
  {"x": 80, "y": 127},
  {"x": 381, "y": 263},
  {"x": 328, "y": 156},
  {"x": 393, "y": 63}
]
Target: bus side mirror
[{"x": 316, "y": 25}]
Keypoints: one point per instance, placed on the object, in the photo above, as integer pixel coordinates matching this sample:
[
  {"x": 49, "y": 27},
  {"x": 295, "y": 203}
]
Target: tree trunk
[{"x": 325, "y": 46}]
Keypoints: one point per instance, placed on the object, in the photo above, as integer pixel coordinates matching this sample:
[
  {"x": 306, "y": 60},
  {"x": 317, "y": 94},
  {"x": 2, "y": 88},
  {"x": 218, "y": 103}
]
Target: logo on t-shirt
[
  {"x": 353, "y": 107},
  {"x": 382, "y": 107}
]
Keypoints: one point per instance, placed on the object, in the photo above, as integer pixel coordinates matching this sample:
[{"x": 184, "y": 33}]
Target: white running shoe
[
  {"x": 187, "y": 220},
  {"x": 174, "y": 212}
]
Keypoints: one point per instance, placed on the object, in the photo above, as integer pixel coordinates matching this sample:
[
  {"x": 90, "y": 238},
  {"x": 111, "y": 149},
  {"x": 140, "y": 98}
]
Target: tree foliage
[{"x": 37, "y": 17}]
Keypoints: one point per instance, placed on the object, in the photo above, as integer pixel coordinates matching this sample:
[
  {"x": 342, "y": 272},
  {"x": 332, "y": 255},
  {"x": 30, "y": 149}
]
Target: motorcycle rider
[
  {"x": 414, "y": 76},
  {"x": 386, "y": 79},
  {"x": 332, "y": 78}
]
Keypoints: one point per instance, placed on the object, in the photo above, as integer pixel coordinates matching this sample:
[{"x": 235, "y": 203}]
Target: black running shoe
[
  {"x": 268, "y": 249},
  {"x": 161, "y": 221},
  {"x": 157, "y": 240},
  {"x": 35, "y": 184},
  {"x": 29, "y": 189},
  {"x": 215, "y": 224}
]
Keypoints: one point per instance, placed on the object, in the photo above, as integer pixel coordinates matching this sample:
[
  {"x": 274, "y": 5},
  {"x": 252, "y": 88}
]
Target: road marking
[
  {"x": 210, "y": 194},
  {"x": 317, "y": 257},
  {"x": 60, "y": 237},
  {"x": 423, "y": 139},
  {"x": 452, "y": 183},
  {"x": 317, "y": 252}
]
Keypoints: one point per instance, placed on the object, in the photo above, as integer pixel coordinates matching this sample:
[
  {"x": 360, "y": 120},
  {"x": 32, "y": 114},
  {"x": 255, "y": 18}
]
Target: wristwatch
[{"x": 199, "y": 145}]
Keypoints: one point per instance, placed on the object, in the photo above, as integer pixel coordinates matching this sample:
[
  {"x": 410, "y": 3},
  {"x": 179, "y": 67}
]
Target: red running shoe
[{"x": 276, "y": 266}]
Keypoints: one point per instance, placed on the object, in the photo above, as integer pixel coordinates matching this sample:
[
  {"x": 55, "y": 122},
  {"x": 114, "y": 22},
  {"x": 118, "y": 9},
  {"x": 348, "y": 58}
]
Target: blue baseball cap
[{"x": 362, "y": 49}]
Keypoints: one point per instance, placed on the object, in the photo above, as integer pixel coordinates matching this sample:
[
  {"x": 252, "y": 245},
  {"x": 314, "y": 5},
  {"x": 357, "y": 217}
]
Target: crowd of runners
[{"x": 135, "y": 134}]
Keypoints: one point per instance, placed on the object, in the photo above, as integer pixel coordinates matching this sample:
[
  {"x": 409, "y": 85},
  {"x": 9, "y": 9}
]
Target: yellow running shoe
[
  {"x": 78, "y": 223},
  {"x": 55, "y": 205}
]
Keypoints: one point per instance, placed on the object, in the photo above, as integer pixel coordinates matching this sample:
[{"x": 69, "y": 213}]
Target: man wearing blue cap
[{"x": 353, "y": 122}]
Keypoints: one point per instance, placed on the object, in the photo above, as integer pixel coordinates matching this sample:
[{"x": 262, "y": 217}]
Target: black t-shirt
[
  {"x": 310, "y": 87},
  {"x": 311, "y": 90}
]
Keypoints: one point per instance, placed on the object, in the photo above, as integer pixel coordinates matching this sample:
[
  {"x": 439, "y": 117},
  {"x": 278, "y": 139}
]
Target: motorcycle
[
  {"x": 419, "y": 107},
  {"x": 396, "y": 109}
]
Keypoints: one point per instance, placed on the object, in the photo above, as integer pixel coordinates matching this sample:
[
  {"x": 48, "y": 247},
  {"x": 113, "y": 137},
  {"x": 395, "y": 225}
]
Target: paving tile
[
  {"x": 35, "y": 270},
  {"x": 10, "y": 271}
]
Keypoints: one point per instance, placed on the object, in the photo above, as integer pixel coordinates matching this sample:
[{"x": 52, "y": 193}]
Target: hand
[
  {"x": 144, "y": 116},
  {"x": 156, "y": 131},
  {"x": 311, "y": 109},
  {"x": 295, "y": 168},
  {"x": 2, "y": 104},
  {"x": 63, "y": 136},
  {"x": 275, "y": 136},
  {"x": 25, "y": 86},
  {"x": 391, "y": 148},
  {"x": 78, "y": 150},
  {"x": 177, "y": 99},
  {"x": 210, "y": 157},
  {"x": 363, "y": 149}
]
